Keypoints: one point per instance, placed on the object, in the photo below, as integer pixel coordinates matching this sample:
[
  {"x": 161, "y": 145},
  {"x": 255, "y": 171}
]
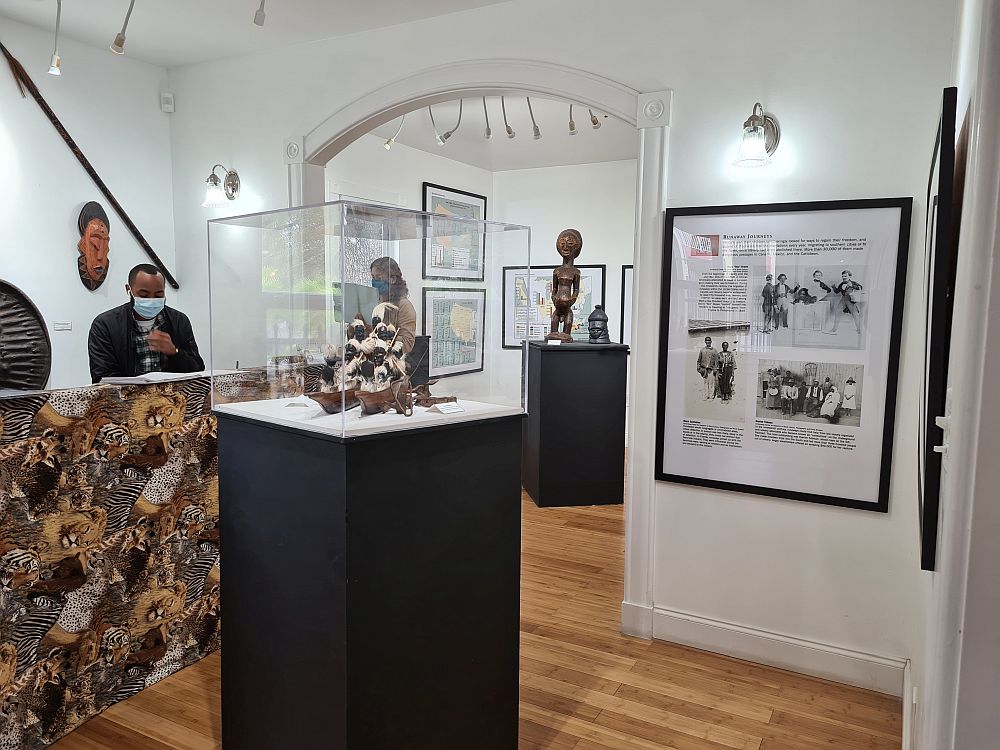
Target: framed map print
[
  {"x": 455, "y": 320},
  {"x": 453, "y": 252},
  {"x": 527, "y": 302}
]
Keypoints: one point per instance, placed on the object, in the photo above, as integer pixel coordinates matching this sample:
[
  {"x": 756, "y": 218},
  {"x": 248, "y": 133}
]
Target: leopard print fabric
[{"x": 109, "y": 556}]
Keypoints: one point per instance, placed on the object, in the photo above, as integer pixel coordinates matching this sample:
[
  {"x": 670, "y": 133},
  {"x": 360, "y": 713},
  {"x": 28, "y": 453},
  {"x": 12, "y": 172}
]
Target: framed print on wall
[
  {"x": 452, "y": 252},
  {"x": 455, "y": 319},
  {"x": 626, "y": 325},
  {"x": 527, "y": 302},
  {"x": 779, "y": 348}
]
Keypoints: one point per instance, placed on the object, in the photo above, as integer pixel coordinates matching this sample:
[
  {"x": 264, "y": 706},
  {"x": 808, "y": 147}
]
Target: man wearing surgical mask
[{"x": 143, "y": 335}]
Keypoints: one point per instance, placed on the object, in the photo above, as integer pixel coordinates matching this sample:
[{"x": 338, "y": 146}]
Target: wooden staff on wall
[{"x": 24, "y": 81}]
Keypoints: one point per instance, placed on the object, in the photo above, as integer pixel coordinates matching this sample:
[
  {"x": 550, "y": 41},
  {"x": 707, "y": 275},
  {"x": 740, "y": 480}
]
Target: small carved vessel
[{"x": 335, "y": 402}]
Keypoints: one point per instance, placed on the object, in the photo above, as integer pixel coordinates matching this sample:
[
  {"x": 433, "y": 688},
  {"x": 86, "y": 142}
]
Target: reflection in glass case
[{"x": 321, "y": 319}]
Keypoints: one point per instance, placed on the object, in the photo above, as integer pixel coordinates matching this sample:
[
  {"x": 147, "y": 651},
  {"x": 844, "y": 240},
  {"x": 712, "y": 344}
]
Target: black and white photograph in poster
[
  {"x": 527, "y": 303},
  {"x": 455, "y": 320},
  {"x": 779, "y": 348},
  {"x": 452, "y": 251}
]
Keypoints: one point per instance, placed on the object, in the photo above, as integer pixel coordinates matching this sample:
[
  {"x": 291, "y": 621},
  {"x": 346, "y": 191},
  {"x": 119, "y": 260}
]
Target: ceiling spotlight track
[
  {"x": 510, "y": 130},
  {"x": 55, "y": 64},
  {"x": 572, "y": 123},
  {"x": 534, "y": 125},
  {"x": 594, "y": 121},
  {"x": 118, "y": 45},
  {"x": 486, "y": 113},
  {"x": 442, "y": 138},
  {"x": 388, "y": 143},
  {"x": 259, "y": 16}
]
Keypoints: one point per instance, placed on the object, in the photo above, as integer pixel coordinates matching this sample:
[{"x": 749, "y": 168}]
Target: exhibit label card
[{"x": 779, "y": 347}]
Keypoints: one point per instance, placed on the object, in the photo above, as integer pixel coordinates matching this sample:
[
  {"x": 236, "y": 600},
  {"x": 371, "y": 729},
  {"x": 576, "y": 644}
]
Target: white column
[
  {"x": 653, "y": 121},
  {"x": 306, "y": 182}
]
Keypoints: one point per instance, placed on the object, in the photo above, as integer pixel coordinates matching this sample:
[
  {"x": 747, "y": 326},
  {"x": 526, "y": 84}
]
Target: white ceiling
[
  {"x": 179, "y": 32},
  {"x": 614, "y": 141}
]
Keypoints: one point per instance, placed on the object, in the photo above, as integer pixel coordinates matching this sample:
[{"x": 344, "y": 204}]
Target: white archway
[{"x": 307, "y": 152}]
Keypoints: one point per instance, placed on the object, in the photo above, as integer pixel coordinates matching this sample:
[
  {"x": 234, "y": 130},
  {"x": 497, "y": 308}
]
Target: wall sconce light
[
  {"x": 118, "y": 45},
  {"x": 217, "y": 191},
  {"x": 761, "y": 134},
  {"x": 55, "y": 64}
]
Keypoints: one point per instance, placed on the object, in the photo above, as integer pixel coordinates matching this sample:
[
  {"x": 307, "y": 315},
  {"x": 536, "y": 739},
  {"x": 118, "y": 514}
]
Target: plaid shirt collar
[{"x": 146, "y": 360}]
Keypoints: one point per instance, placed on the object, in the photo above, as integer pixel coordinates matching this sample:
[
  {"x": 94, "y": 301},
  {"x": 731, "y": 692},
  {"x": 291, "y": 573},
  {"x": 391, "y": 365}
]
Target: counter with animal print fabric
[{"x": 109, "y": 549}]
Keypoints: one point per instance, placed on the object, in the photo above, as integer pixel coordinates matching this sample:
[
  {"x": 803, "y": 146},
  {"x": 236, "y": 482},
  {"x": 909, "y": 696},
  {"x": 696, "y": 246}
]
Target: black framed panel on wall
[
  {"x": 451, "y": 253},
  {"x": 455, "y": 320},
  {"x": 779, "y": 348},
  {"x": 628, "y": 273},
  {"x": 945, "y": 185}
]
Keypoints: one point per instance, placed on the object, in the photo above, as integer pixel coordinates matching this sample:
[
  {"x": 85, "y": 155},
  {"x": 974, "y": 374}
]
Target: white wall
[
  {"x": 110, "y": 106},
  {"x": 856, "y": 86}
]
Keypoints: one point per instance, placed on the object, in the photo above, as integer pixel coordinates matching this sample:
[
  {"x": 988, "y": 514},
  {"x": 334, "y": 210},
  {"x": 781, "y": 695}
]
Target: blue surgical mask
[
  {"x": 381, "y": 285},
  {"x": 148, "y": 307}
]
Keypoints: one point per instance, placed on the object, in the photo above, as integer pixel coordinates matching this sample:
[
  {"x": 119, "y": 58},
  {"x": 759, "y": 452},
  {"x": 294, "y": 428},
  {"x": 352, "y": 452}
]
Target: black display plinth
[
  {"x": 371, "y": 587},
  {"x": 573, "y": 450}
]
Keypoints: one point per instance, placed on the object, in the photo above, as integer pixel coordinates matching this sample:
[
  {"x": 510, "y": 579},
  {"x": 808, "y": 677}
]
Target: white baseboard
[
  {"x": 909, "y": 709},
  {"x": 637, "y": 620},
  {"x": 880, "y": 673}
]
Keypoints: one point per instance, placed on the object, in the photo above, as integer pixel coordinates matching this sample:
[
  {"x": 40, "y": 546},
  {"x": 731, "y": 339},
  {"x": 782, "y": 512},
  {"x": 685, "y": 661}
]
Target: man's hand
[{"x": 161, "y": 342}]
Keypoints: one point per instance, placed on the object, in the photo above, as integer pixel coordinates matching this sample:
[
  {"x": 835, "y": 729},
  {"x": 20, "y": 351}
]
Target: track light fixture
[
  {"x": 534, "y": 125},
  {"x": 488, "y": 135},
  {"x": 388, "y": 143},
  {"x": 510, "y": 130},
  {"x": 259, "y": 16},
  {"x": 594, "y": 121},
  {"x": 219, "y": 190},
  {"x": 572, "y": 123},
  {"x": 118, "y": 45},
  {"x": 55, "y": 63},
  {"x": 441, "y": 139}
]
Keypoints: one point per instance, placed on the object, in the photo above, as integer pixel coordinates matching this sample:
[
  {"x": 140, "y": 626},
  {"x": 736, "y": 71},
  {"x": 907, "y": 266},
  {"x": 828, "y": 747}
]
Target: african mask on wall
[{"x": 93, "y": 245}]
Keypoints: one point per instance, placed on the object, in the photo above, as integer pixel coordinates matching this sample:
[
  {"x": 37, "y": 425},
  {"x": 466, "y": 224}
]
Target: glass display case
[{"x": 351, "y": 319}]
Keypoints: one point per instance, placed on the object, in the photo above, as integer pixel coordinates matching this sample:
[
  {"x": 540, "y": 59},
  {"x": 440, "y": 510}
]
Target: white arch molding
[{"x": 307, "y": 152}]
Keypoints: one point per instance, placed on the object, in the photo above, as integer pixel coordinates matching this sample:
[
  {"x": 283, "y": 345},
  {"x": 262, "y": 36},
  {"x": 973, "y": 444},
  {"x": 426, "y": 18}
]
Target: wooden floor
[{"x": 583, "y": 685}]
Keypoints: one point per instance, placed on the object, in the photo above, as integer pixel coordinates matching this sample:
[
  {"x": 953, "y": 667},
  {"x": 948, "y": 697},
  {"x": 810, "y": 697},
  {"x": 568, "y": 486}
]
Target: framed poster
[
  {"x": 626, "y": 326},
  {"x": 527, "y": 302},
  {"x": 455, "y": 320},
  {"x": 452, "y": 252},
  {"x": 944, "y": 201},
  {"x": 779, "y": 348}
]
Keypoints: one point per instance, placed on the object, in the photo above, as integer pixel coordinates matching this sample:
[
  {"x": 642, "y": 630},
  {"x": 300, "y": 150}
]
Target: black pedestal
[
  {"x": 370, "y": 590},
  {"x": 573, "y": 451}
]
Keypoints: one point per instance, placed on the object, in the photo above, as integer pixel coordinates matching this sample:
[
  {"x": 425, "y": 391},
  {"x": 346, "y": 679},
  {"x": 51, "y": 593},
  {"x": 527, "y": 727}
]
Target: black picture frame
[
  {"x": 624, "y": 311},
  {"x": 905, "y": 206},
  {"x": 426, "y": 188},
  {"x": 482, "y": 330},
  {"x": 944, "y": 189},
  {"x": 503, "y": 294}
]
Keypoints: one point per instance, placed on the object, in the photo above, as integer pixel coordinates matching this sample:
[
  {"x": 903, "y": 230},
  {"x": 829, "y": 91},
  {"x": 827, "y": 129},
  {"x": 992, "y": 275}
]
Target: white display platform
[{"x": 303, "y": 413}]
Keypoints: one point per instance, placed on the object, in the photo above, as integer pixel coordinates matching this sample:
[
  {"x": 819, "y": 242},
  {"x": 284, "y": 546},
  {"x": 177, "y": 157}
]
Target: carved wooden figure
[{"x": 565, "y": 285}]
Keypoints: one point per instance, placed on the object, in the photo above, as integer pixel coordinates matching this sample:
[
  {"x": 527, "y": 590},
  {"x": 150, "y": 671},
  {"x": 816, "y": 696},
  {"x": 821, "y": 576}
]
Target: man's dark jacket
[{"x": 112, "y": 344}]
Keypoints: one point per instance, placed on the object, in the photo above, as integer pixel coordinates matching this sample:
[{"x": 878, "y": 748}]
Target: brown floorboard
[{"x": 584, "y": 686}]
